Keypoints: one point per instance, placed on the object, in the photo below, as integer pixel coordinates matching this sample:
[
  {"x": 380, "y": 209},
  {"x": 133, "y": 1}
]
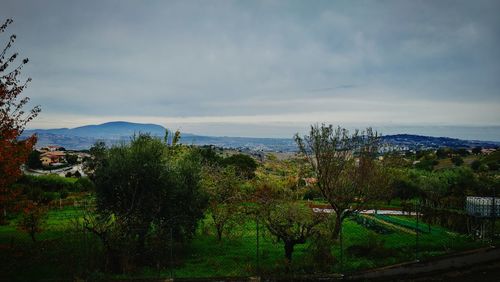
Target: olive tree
[
  {"x": 223, "y": 187},
  {"x": 344, "y": 163},
  {"x": 286, "y": 218},
  {"x": 148, "y": 186}
]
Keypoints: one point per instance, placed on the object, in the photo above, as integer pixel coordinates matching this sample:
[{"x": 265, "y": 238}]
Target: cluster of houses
[{"x": 56, "y": 155}]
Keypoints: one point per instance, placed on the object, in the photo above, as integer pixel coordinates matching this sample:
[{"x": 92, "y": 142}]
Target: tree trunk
[
  {"x": 32, "y": 235},
  {"x": 289, "y": 251},
  {"x": 219, "y": 232},
  {"x": 336, "y": 228}
]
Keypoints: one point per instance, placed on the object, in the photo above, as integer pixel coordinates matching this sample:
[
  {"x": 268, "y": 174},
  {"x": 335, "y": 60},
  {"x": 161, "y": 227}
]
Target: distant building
[
  {"x": 46, "y": 160},
  {"x": 49, "y": 158}
]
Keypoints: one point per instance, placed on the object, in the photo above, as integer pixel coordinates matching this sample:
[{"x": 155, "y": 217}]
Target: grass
[{"x": 61, "y": 253}]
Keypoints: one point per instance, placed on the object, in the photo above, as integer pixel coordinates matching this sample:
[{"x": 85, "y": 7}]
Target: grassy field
[{"x": 62, "y": 252}]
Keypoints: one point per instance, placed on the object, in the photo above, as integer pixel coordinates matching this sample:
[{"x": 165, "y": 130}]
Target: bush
[
  {"x": 457, "y": 160},
  {"x": 48, "y": 197},
  {"x": 48, "y": 183},
  {"x": 63, "y": 194},
  {"x": 34, "y": 216},
  {"x": 373, "y": 247},
  {"x": 475, "y": 165},
  {"x": 84, "y": 184}
]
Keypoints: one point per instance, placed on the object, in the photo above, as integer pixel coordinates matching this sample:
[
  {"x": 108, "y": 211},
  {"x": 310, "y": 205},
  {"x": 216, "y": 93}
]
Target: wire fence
[{"x": 366, "y": 240}]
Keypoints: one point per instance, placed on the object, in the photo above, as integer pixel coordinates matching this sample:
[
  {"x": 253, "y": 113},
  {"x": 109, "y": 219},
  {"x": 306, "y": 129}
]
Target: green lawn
[{"x": 61, "y": 252}]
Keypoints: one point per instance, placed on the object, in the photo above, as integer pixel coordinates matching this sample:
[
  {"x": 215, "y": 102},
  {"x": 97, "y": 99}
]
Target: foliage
[
  {"x": 457, "y": 160},
  {"x": 348, "y": 175},
  {"x": 147, "y": 187},
  {"x": 97, "y": 153},
  {"x": 244, "y": 164},
  {"x": 13, "y": 119},
  {"x": 51, "y": 183},
  {"x": 475, "y": 165},
  {"x": 71, "y": 159},
  {"x": 84, "y": 183},
  {"x": 34, "y": 160},
  {"x": 289, "y": 220},
  {"x": 222, "y": 185},
  {"x": 373, "y": 247},
  {"x": 33, "y": 219}
]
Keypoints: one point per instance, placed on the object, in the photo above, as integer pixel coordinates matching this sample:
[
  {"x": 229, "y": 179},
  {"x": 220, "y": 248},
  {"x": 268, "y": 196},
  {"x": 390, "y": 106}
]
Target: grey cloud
[{"x": 193, "y": 58}]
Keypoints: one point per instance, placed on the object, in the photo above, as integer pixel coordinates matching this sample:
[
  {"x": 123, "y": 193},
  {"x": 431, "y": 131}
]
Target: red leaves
[{"x": 13, "y": 152}]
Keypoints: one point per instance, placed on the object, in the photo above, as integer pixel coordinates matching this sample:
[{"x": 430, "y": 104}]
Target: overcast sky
[{"x": 260, "y": 68}]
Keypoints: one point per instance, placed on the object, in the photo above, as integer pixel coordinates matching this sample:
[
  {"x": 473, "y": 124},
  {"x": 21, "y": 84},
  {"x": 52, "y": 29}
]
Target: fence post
[
  {"x": 171, "y": 253},
  {"x": 341, "y": 249},
  {"x": 258, "y": 253},
  {"x": 416, "y": 231},
  {"x": 493, "y": 214}
]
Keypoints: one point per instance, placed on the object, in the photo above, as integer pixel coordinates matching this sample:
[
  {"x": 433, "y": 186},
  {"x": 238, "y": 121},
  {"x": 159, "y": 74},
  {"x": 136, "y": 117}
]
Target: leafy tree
[
  {"x": 13, "y": 119},
  {"x": 289, "y": 220},
  {"x": 475, "y": 165},
  {"x": 210, "y": 156},
  {"x": 98, "y": 154},
  {"x": 457, "y": 160},
  {"x": 148, "y": 186},
  {"x": 443, "y": 152},
  {"x": 222, "y": 186},
  {"x": 71, "y": 159},
  {"x": 348, "y": 176},
  {"x": 32, "y": 220},
  {"x": 34, "y": 160},
  {"x": 244, "y": 164}
]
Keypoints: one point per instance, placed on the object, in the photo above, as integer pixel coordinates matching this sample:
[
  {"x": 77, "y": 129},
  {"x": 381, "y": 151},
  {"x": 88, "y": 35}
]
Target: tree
[
  {"x": 244, "y": 164},
  {"x": 34, "y": 160},
  {"x": 475, "y": 165},
  {"x": 289, "y": 220},
  {"x": 13, "y": 119},
  {"x": 32, "y": 220},
  {"x": 71, "y": 159},
  {"x": 457, "y": 160},
  {"x": 348, "y": 176},
  {"x": 222, "y": 186},
  {"x": 147, "y": 187}
]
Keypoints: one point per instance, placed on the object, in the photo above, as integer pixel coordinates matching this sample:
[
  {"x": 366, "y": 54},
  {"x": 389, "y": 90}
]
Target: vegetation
[
  {"x": 155, "y": 209},
  {"x": 13, "y": 119},
  {"x": 149, "y": 189},
  {"x": 348, "y": 175}
]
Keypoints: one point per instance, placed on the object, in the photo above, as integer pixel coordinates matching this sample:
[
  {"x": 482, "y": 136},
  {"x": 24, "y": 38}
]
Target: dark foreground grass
[{"x": 63, "y": 253}]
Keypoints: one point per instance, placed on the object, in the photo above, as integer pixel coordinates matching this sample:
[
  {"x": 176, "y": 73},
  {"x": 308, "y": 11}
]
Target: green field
[{"x": 62, "y": 252}]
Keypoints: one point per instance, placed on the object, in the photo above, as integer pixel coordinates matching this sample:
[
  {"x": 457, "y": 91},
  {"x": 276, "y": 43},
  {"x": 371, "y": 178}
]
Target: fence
[{"x": 366, "y": 240}]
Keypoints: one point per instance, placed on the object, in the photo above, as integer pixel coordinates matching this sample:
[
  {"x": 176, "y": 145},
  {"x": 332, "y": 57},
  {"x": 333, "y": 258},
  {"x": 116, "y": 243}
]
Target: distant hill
[
  {"x": 413, "y": 142},
  {"x": 110, "y": 130},
  {"x": 84, "y": 137}
]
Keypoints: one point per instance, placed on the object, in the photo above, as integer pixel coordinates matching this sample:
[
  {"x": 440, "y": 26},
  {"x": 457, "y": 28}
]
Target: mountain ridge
[{"x": 83, "y": 137}]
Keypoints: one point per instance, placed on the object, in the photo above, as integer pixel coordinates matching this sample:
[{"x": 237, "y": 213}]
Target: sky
[{"x": 262, "y": 68}]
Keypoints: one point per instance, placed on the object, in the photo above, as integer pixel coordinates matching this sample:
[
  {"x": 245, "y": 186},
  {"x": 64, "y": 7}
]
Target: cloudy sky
[{"x": 260, "y": 68}]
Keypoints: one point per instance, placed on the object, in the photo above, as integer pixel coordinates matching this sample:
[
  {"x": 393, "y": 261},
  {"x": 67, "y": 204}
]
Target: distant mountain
[
  {"x": 119, "y": 131},
  {"x": 110, "y": 130}
]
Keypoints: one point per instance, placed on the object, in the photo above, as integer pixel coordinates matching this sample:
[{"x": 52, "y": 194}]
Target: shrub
[
  {"x": 63, "y": 194},
  {"x": 84, "y": 184},
  {"x": 32, "y": 220},
  {"x": 48, "y": 197},
  {"x": 48, "y": 183},
  {"x": 373, "y": 247}
]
